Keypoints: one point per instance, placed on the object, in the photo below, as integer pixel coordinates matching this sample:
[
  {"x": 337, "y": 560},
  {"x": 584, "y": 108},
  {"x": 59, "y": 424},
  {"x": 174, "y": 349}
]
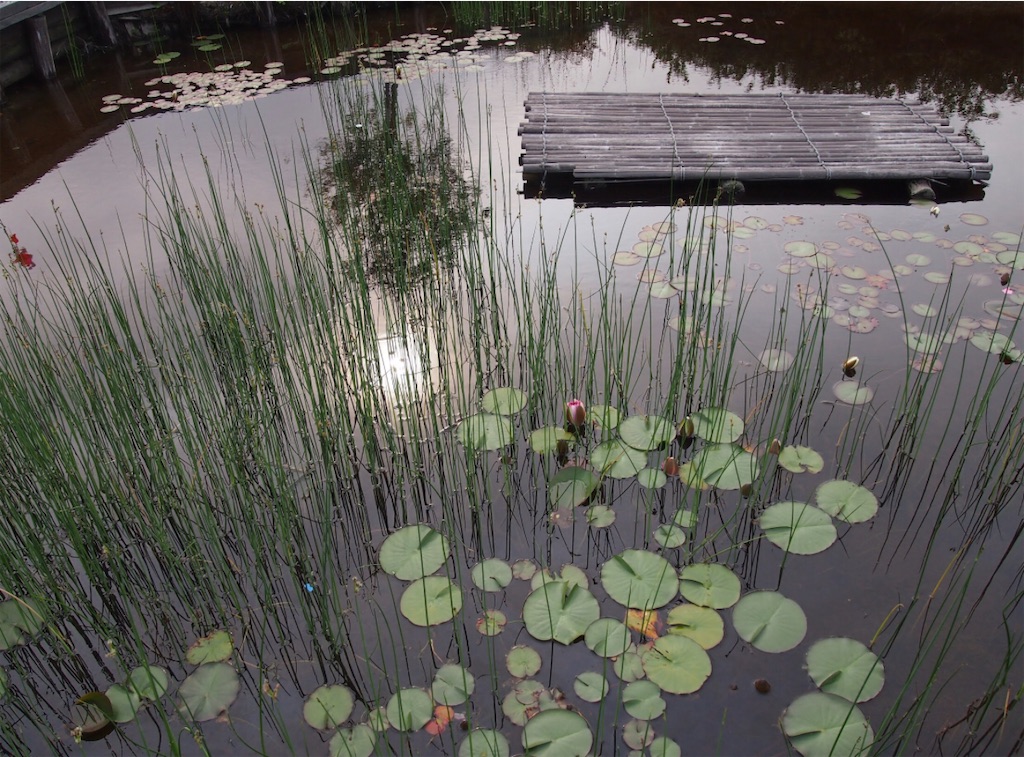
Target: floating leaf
[
  {"x": 413, "y": 552},
  {"x": 208, "y": 48},
  {"x": 702, "y": 624},
  {"x": 216, "y": 647},
  {"x": 993, "y": 342},
  {"x": 91, "y": 714},
  {"x": 823, "y": 725},
  {"x": 491, "y": 623},
  {"x": 546, "y": 440},
  {"x": 662, "y": 746},
  {"x": 607, "y": 637},
  {"x": 639, "y": 579},
  {"x": 643, "y": 622},
  {"x": 973, "y": 219},
  {"x": 504, "y": 401},
  {"x": 846, "y": 500},
  {"x": 638, "y": 734},
  {"x": 484, "y": 431},
  {"x": 617, "y": 459},
  {"x": 521, "y": 661},
  {"x": 569, "y": 573},
  {"x": 124, "y": 703},
  {"x": 409, "y": 709},
  {"x": 853, "y": 392},
  {"x": 798, "y": 528},
  {"x": 431, "y": 601},
  {"x": 769, "y": 621},
  {"x": 725, "y": 466},
  {"x": 801, "y": 460},
  {"x": 677, "y": 664},
  {"x": 358, "y": 741},
  {"x": 148, "y": 681},
  {"x": 19, "y": 621},
  {"x": 571, "y": 486},
  {"x": 716, "y": 425},
  {"x": 524, "y": 569},
  {"x": 776, "y": 361},
  {"x": 328, "y": 707},
  {"x": 848, "y": 193},
  {"x": 557, "y": 733},
  {"x": 208, "y": 692},
  {"x": 926, "y": 344},
  {"x": 590, "y": 686},
  {"x": 600, "y": 516},
  {"x": 629, "y": 667},
  {"x": 709, "y": 585},
  {"x": 484, "y": 742},
  {"x": 846, "y": 668},
  {"x": 452, "y": 685},
  {"x": 604, "y": 416},
  {"x": 642, "y": 700},
  {"x": 491, "y": 575},
  {"x": 646, "y": 432},
  {"x": 670, "y": 535},
  {"x": 559, "y": 611},
  {"x": 522, "y": 701},
  {"x": 800, "y": 249}
]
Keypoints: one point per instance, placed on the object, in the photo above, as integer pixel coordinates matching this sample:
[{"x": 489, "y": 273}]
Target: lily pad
[
  {"x": 702, "y": 624},
  {"x": 973, "y": 219},
  {"x": 824, "y": 725},
  {"x": 651, "y": 478},
  {"x": 590, "y": 686},
  {"x": 604, "y": 416},
  {"x": 663, "y": 746},
  {"x": 717, "y": 425},
  {"x": 846, "y": 668},
  {"x": 800, "y": 248},
  {"x": 492, "y": 622},
  {"x": 600, "y": 516},
  {"x": 616, "y": 459},
  {"x": 677, "y": 664},
  {"x": 639, "y": 579},
  {"x": 992, "y": 341},
  {"x": 642, "y": 700},
  {"x": 629, "y": 667},
  {"x": 801, "y": 460},
  {"x": 848, "y": 193},
  {"x": 607, "y": 637},
  {"x": 358, "y": 741},
  {"x": 431, "y": 601},
  {"x": 560, "y": 611},
  {"x": 484, "y": 431},
  {"x": 570, "y": 574},
  {"x": 453, "y": 684},
  {"x": 208, "y": 692},
  {"x": 504, "y": 401},
  {"x": 484, "y": 742},
  {"x": 215, "y": 647},
  {"x": 646, "y": 432},
  {"x": 709, "y": 585},
  {"x": 328, "y": 707},
  {"x": 853, "y": 392},
  {"x": 725, "y": 466},
  {"x": 670, "y": 535},
  {"x": 776, "y": 361},
  {"x": 413, "y": 552},
  {"x": 798, "y": 528},
  {"x": 637, "y": 734},
  {"x": 491, "y": 575},
  {"x": 571, "y": 486},
  {"x": 409, "y": 709},
  {"x": 124, "y": 703},
  {"x": 19, "y": 621},
  {"x": 769, "y": 621},
  {"x": 846, "y": 501},
  {"x": 148, "y": 681},
  {"x": 546, "y": 440},
  {"x": 522, "y": 661},
  {"x": 557, "y": 733}
]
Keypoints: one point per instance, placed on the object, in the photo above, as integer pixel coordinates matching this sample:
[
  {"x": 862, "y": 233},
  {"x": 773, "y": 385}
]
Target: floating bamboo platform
[{"x": 597, "y": 137}]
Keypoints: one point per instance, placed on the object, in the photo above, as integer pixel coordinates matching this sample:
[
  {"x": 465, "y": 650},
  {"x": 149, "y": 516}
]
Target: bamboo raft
[{"x": 588, "y": 137}]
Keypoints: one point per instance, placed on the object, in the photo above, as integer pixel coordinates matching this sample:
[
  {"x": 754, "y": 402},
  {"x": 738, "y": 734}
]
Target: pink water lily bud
[
  {"x": 575, "y": 414},
  {"x": 670, "y": 466}
]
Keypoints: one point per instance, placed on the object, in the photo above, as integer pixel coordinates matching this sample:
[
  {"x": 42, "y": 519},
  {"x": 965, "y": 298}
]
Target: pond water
[{"x": 248, "y": 339}]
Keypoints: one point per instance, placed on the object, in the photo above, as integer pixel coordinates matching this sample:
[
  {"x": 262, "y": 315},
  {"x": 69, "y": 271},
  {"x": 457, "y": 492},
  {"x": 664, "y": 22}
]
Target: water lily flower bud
[
  {"x": 670, "y": 466},
  {"x": 575, "y": 414},
  {"x": 775, "y": 447}
]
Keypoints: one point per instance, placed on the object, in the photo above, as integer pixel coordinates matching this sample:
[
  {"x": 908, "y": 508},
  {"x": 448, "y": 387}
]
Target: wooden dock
[{"x": 596, "y": 137}]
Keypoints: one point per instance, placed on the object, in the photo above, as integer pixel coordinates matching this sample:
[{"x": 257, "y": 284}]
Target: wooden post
[
  {"x": 39, "y": 42},
  {"x": 265, "y": 11},
  {"x": 99, "y": 19},
  {"x": 921, "y": 189}
]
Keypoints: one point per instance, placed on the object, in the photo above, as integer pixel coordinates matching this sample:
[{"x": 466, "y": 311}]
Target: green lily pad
[
  {"x": 557, "y": 733},
  {"x": 590, "y": 686},
  {"x": 525, "y": 696},
  {"x": 776, "y": 361},
  {"x": 689, "y": 475},
  {"x": 492, "y": 622},
  {"x": 853, "y": 392},
  {"x": 637, "y": 734},
  {"x": 413, "y": 552},
  {"x": 484, "y": 431},
  {"x": 545, "y": 440},
  {"x": 663, "y": 746},
  {"x": 504, "y": 401},
  {"x": 410, "y": 709},
  {"x": 358, "y": 741},
  {"x": 651, "y": 478},
  {"x": 216, "y": 647},
  {"x": 452, "y": 685},
  {"x": 607, "y": 637},
  {"x": 798, "y": 528},
  {"x": 1012, "y": 258},
  {"x": 824, "y": 725},
  {"x": 1007, "y": 237},
  {"x": 709, "y": 585},
  {"x": 484, "y": 742},
  {"x": 616, "y": 459},
  {"x": 600, "y": 516},
  {"x": 124, "y": 703},
  {"x": 629, "y": 667},
  {"x": 670, "y": 535},
  {"x": 846, "y": 501},
  {"x": 431, "y": 601},
  {"x": 91, "y": 714},
  {"x": 522, "y": 661},
  {"x": 926, "y": 344},
  {"x": 570, "y": 574},
  {"x": 149, "y": 681},
  {"x": 208, "y": 692},
  {"x": 642, "y": 700},
  {"x": 377, "y": 719},
  {"x": 973, "y": 219},
  {"x": 677, "y": 664},
  {"x": 769, "y": 621},
  {"x": 800, "y": 248},
  {"x": 724, "y": 466},
  {"x": 491, "y": 575},
  {"x": 639, "y": 579},
  {"x": 328, "y": 707},
  {"x": 524, "y": 570},
  {"x": 646, "y": 432},
  {"x": 686, "y": 517},
  {"x": 571, "y": 486},
  {"x": 848, "y": 193},
  {"x": 702, "y": 624},
  {"x": 208, "y": 48},
  {"x": 19, "y": 621},
  {"x": 604, "y": 416},
  {"x": 846, "y": 668},
  {"x": 717, "y": 425},
  {"x": 801, "y": 460},
  {"x": 992, "y": 342},
  {"x": 559, "y": 611}
]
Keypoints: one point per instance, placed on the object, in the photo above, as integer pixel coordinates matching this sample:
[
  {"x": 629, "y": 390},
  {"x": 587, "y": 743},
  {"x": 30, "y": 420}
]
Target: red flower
[
  {"x": 23, "y": 259},
  {"x": 14, "y": 238}
]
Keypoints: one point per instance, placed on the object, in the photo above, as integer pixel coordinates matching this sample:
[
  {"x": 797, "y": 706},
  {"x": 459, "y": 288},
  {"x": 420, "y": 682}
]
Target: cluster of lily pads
[{"x": 719, "y": 21}]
